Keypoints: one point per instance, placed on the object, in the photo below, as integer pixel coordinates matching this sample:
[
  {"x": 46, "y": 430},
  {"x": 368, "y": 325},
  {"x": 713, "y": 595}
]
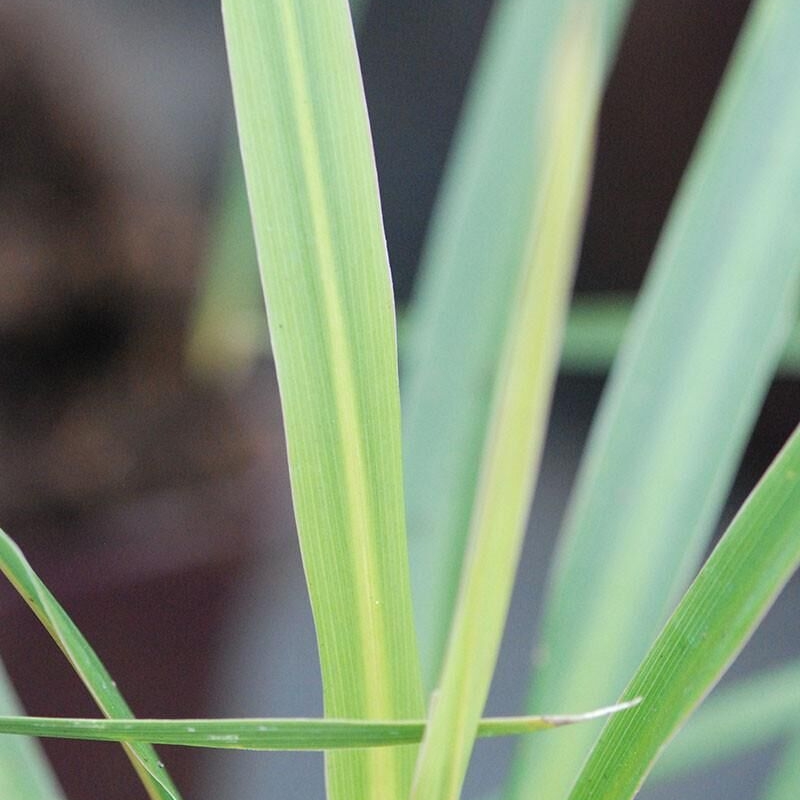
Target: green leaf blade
[
  {"x": 24, "y": 771},
  {"x": 520, "y": 408},
  {"x": 228, "y": 328},
  {"x": 276, "y": 734},
  {"x": 465, "y": 289},
  {"x": 785, "y": 778},
  {"x": 85, "y": 662},
  {"x": 596, "y": 327},
  {"x": 733, "y": 591},
  {"x": 313, "y": 196},
  {"x": 697, "y": 359}
]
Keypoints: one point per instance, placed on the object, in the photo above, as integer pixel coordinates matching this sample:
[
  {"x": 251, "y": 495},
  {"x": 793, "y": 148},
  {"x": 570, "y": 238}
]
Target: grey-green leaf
[
  {"x": 596, "y": 327},
  {"x": 24, "y": 771},
  {"x": 784, "y": 781},
  {"x": 276, "y": 734},
  {"x": 465, "y": 289},
  {"x": 520, "y": 409},
  {"x": 738, "y": 584},
  {"x": 701, "y": 350}
]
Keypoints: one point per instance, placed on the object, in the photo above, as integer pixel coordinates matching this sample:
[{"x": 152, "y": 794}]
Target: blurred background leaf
[
  {"x": 737, "y": 718},
  {"x": 736, "y": 586},
  {"x": 517, "y": 424},
  {"x": 24, "y": 771},
  {"x": 681, "y": 401},
  {"x": 468, "y": 273}
]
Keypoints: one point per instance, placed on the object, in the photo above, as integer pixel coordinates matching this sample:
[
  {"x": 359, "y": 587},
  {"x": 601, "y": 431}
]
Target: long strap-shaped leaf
[
  {"x": 466, "y": 289},
  {"x": 721, "y": 609},
  {"x": 228, "y": 329},
  {"x": 277, "y": 734},
  {"x": 24, "y": 771},
  {"x": 520, "y": 408},
  {"x": 697, "y": 359},
  {"x": 316, "y": 215},
  {"x": 85, "y": 662}
]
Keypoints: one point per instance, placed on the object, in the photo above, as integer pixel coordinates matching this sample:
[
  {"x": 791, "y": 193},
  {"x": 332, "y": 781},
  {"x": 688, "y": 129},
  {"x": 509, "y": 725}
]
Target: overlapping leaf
[
  {"x": 277, "y": 734},
  {"x": 721, "y": 609},
  {"x": 24, "y": 771},
  {"x": 518, "y": 421},
  {"x": 465, "y": 291},
  {"x": 85, "y": 662},
  {"x": 701, "y": 350},
  {"x": 316, "y": 215}
]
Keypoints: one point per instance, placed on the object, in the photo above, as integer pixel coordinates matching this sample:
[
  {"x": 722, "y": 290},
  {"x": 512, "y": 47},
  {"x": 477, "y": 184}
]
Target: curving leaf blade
[
  {"x": 712, "y": 623},
  {"x": 85, "y": 662}
]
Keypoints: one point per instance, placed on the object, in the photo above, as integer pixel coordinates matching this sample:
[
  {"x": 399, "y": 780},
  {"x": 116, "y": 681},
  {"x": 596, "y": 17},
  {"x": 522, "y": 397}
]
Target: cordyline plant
[{"x": 403, "y": 702}]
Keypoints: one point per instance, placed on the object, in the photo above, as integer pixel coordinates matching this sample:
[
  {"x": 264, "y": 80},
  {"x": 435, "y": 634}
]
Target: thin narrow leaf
[
  {"x": 277, "y": 734},
  {"x": 24, "y": 771},
  {"x": 465, "y": 290},
  {"x": 229, "y": 329},
  {"x": 697, "y": 359},
  {"x": 714, "y": 620},
  {"x": 520, "y": 408},
  {"x": 85, "y": 662},
  {"x": 736, "y": 719},
  {"x": 313, "y": 198},
  {"x": 597, "y": 326}
]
